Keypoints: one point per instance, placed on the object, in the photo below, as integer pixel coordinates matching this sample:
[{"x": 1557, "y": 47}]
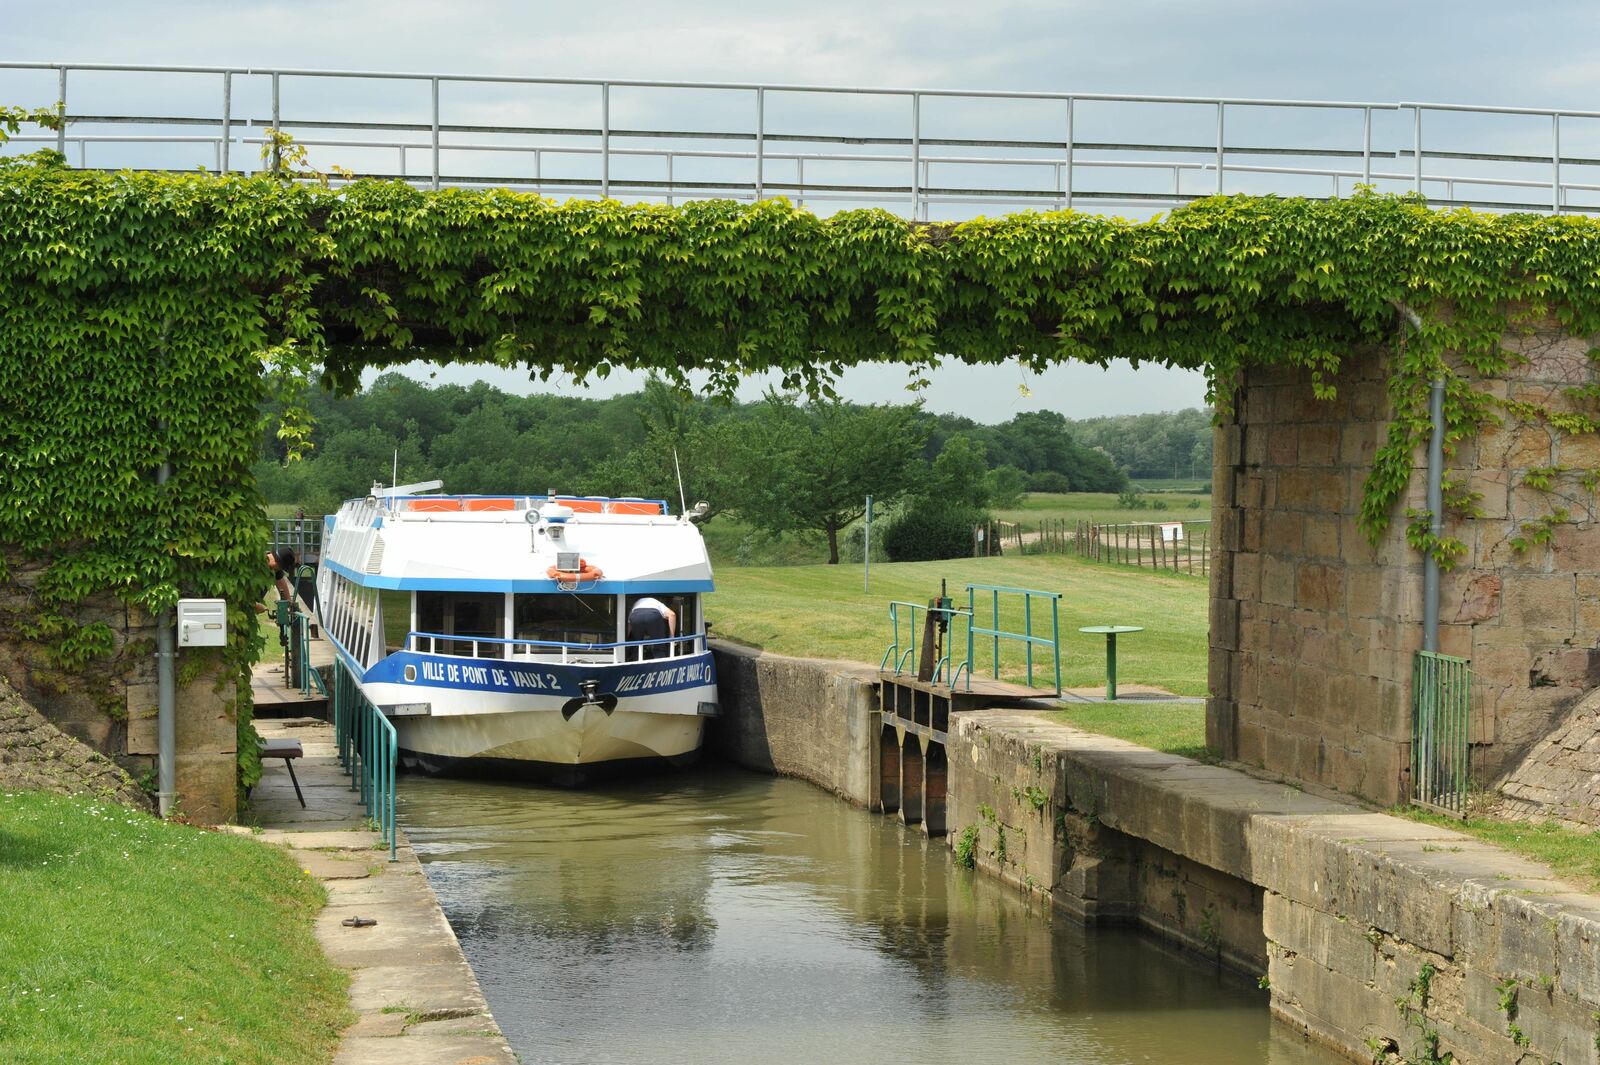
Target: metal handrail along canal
[{"x": 368, "y": 751}]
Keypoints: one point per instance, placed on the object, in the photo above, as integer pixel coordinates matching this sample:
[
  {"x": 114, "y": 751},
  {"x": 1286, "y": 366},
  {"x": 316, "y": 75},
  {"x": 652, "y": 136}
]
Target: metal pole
[
  {"x": 761, "y": 143},
  {"x": 995, "y": 622},
  {"x": 227, "y": 119},
  {"x": 866, "y": 551},
  {"x": 1111, "y": 667},
  {"x": 1027, "y": 630},
  {"x": 61, "y": 102},
  {"x": 277, "y": 148},
  {"x": 1068, "y": 186},
  {"x": 605, "y": 139},
  {"x": 1055, "y": 637},
  {"x": 800, "y": 181},
  {"x": 972, "y": 617},
  {"x": 916, "y": 155},
  {"x": 1416, "y": 145},
  {"x": 436, "y": 134},
  {"x": 669, "y": 179},
  {"x": 1430, "y": 564},
  {"x": 1555, "y": 176},
  {"x": 1219, "y": 147},
  {"x": 1366, "y": 145}
]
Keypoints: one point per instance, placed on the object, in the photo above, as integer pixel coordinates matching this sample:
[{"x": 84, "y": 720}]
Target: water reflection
[{"x": 729, "y": 917}]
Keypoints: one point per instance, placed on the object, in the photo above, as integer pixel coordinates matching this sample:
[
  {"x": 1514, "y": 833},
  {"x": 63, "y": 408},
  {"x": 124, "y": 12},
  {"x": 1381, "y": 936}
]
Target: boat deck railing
[{"x": 553, "y": 651}]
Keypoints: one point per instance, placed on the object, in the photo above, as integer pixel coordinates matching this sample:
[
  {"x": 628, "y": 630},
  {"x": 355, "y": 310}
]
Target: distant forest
[{"x": 478, "y": 438}]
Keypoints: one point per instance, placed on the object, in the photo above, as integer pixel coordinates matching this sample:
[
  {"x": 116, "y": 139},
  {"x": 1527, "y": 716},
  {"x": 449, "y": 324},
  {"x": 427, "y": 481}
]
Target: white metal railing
[
  {"x": 957, "y": 150},
  {"x": 565, "y": 652}
]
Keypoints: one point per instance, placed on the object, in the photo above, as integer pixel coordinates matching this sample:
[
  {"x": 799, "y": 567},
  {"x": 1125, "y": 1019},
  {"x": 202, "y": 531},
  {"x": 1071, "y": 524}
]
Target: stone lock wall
[
  {"x": 1372, "y": 934},
  {"x": 1313, "y": 628},
  {"x": 798, "y": 717},
  {"x": 110, "y": 707}
]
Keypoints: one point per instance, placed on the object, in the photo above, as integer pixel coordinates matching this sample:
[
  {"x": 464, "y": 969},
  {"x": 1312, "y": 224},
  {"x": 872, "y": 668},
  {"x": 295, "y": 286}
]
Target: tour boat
[{"x": 517, "y": 655}]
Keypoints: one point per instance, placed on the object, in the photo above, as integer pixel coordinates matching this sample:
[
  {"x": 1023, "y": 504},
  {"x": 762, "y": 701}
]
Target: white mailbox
[{"x": 202, "y": 622}]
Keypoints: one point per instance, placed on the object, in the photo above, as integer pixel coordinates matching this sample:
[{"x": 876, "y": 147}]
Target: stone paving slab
[{"x": 417, "y": 999}]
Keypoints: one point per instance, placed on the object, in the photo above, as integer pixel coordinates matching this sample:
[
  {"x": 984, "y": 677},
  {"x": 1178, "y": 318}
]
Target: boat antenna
[
  {"x": 683, "y": 501},
  {"x": 395, "y": 483}
]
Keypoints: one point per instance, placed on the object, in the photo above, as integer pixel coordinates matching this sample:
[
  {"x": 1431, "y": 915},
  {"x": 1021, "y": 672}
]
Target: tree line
[{"x": 780, "y": 464}]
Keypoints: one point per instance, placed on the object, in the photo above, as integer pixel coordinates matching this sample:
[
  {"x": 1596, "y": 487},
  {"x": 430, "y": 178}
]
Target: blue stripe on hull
[{"x": 541, "y": 678}]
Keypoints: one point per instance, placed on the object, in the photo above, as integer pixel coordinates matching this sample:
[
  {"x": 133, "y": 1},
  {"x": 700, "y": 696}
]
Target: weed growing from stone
[{"x": 966, "y": 848}]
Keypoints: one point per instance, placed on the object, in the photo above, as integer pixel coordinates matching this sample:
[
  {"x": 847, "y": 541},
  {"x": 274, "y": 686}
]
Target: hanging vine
[{"x": 146, "y": 314}]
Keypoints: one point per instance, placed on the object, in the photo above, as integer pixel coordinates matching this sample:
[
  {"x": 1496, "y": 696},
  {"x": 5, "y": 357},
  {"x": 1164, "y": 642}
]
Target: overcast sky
[{"x": 1545, "y": 55}]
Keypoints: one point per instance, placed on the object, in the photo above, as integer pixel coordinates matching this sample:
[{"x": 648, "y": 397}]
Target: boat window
[
  {"x": 685, "y": 609},
  {"x": 566, "y": 618},
  {"x": 478, "y": 615}
]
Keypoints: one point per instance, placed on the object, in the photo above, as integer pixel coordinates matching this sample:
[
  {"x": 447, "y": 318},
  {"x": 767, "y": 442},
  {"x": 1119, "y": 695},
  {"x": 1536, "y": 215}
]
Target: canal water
[{"x": 726, "y": 917}]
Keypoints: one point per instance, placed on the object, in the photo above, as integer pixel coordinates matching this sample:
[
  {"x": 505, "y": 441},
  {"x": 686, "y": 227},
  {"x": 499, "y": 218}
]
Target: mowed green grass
[
  {"x": 1102, "y": 507},
  {"x": 1176, "y": 728},
  {"x": 136, "y": 941},
  {"x": 822, "y": 612}
]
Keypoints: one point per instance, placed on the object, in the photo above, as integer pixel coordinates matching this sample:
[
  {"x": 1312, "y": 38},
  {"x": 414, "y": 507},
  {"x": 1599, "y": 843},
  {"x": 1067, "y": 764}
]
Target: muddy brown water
[{"x": 719, "y": 916}]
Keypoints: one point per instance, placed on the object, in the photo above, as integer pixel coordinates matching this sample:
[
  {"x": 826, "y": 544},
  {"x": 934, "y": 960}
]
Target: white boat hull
[
  {"x": 590, "y": 737},
  {"x": 537, "y": 717}
]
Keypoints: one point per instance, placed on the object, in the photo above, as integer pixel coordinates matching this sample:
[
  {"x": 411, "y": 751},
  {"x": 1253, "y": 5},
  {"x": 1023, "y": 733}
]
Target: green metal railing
[
  {"x": 310, "y": 679},
  {"x": 995, "y": 633},
  {"x": 368, "y": 750},
  {"x": 1441, "y": 700},
  {"x": 900, "y": 658},
  {"x": 294, "y": 634}
]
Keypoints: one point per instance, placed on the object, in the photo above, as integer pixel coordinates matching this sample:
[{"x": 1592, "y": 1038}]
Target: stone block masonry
[
  {"x": 797, "y": 717},
  {"x": 1313, "y": 628},
  {"x": 1372, "y": 933},
  {"x": 37, "y": 756},
  {"x": 109, "y": 706}
]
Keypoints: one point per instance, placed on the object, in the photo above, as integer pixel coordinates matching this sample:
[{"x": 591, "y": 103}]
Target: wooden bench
[{"x": 288, "y": 750}]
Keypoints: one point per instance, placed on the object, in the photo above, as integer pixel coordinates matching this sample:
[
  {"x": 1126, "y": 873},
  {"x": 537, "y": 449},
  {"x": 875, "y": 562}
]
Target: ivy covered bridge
[{"x": 149, "y": 311}]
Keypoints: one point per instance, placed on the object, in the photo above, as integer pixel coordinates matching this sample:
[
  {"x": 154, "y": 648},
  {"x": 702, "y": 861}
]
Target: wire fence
[
  {"x": 1178, "y": 546},
  {"x": 920, "y": 152}
]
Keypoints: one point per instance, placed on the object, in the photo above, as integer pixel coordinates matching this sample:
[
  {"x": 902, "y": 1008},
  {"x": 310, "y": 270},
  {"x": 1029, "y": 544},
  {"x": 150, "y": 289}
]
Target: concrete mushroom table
[{"x": 1111, "y": 632}]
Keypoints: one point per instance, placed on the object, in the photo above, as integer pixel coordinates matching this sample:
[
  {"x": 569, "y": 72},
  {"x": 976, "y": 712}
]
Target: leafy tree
[
  {"x": 960, "y": 475},
  {"x": 710, "y": 458},
  {"x": 1006, "y": 485},
  {"x": 929, "y": 529},
  {"x": 812, "y": 467}
]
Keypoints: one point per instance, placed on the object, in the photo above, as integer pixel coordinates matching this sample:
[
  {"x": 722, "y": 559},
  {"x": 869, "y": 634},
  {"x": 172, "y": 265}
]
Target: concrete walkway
[{"x": 418, "y": 1001}]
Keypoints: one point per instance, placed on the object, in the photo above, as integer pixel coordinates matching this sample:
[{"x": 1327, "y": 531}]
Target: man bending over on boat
[
  {"x": 651, "y": 619},
  {"x": 281, "y": 562}
]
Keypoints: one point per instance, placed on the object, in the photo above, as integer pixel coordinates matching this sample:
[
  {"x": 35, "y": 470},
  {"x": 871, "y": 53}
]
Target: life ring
[{"x": 585, "y": 573}]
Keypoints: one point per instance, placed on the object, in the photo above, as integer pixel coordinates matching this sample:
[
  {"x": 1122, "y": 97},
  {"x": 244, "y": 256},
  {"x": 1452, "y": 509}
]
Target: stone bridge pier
[{"x": 1314, "y": 628}]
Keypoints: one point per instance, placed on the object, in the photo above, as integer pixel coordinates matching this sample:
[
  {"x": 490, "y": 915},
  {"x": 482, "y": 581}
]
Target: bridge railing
[
  {"x": 916, "y": 151},
  {"x": 301, "y": 535}
]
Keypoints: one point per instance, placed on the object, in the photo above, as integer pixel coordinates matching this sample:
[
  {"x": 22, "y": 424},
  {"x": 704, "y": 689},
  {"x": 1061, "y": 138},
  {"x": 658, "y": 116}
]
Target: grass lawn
[
  {"x": 132, "y": 940},
  {"x": 1177, "y": 728},
  {"x": 822, "y": 612},
  {"x": 1574, "y": 854},
  {"x": 1037, "y": 507}
]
